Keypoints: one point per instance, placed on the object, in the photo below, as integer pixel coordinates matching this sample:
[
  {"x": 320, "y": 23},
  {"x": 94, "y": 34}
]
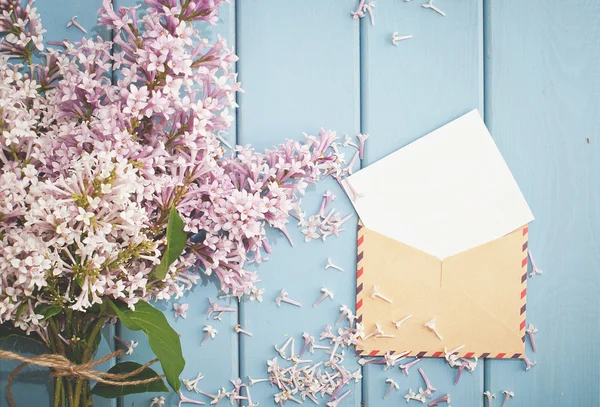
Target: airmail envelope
[{"x": 442, "y": 234}]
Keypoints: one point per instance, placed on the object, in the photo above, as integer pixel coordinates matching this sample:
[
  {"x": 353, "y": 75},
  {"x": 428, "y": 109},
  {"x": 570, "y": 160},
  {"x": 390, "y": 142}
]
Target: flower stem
[
  {"x": 87, "y": 356},
  {"x": 69, "y": 391},
  {"x": 58, "y": 382},
  {"x": 88, "y": 394},
  {"x": 77, "y": 391},
  {"x": 184, "y": 9},
  {"x": 69, "y": 317},
  {"x": 53, "y": 336}
]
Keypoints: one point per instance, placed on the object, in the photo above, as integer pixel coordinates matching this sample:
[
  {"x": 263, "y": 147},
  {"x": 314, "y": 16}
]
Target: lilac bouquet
[{"x": 115, "y": 184}]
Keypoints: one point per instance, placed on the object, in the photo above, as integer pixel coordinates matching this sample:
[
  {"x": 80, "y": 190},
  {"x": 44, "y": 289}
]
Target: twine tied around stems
[{"x": 63, "y": 367}]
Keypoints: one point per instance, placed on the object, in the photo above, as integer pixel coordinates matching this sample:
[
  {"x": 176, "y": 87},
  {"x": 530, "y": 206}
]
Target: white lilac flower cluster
[{"x": 100, "y": 140}]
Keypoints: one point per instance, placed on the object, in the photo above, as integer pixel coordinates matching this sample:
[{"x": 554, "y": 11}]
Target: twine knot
[{"x": 63, "y": 367}]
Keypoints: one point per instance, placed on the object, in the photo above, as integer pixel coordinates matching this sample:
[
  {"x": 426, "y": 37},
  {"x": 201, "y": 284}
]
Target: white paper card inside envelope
[{"x": 445, "y": 193}]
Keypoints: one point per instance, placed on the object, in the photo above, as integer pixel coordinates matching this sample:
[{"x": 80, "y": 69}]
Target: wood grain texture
[
  {"x": 34, "y": 385},
  {"x": 542, "y": 103},
  {"x": 422, "y": 83},
  {"x": 217, "y": 359},
  {"x": 409, "y": 90},
  {"x": 56, "y": 14},
  {"x": 306, "y": 65},
  {"x": 299, "y": 66}
]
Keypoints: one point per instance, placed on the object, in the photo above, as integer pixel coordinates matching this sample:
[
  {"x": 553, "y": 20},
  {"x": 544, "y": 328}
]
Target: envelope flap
[
  {"x": 491, "y": 276},
  {"x": 445, "y": 193},
  {"x": 477, "y": 297},
  {"x": 395, "y": 263}
]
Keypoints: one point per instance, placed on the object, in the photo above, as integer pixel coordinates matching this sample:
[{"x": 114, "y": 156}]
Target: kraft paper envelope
[{"x": 443, "y": 234}]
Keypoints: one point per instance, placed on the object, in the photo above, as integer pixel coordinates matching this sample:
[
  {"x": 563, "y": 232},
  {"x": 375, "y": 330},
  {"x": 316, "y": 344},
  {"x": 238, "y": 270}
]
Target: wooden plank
[
  {"x": 409, "y": 90},
  {"x": 439, "y": 374},
  {"x": 217, "y": 360},
  {"x": 299, "y": 66},
  {"x": 542, "y": 102},
  {"x": 34, "y": 386},
  {"x": 57, "y": 13}
]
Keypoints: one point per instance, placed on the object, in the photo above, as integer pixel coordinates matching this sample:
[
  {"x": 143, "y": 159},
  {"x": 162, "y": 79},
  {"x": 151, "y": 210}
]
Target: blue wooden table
[{"x": 532, "y": 68}]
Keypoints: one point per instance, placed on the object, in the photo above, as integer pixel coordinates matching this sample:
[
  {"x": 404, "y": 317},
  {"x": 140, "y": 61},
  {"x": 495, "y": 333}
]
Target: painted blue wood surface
[
  {"x": 409, "y": 90},
  {"x": 300, "y": 72},
  {"x": 542, "y": 103},
  {"x": 532, "y": 67}
]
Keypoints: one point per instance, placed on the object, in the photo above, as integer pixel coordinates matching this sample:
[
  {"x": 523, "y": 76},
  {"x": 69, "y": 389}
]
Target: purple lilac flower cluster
[{"x": 91, "y": 166}]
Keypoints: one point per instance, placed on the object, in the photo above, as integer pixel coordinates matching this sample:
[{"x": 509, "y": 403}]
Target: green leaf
[
  {"x": 163, "y": 339},
  {"x": 105, "y": 308},
  {"x": 7, "y": 332},
  {"x": 111, "y": 392},
  {"x": 20, "y": 310},
  {"x": 176, "y": 240},
  {"x": 48, "y": 310},
  {"x": 96, "y": 343}
]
